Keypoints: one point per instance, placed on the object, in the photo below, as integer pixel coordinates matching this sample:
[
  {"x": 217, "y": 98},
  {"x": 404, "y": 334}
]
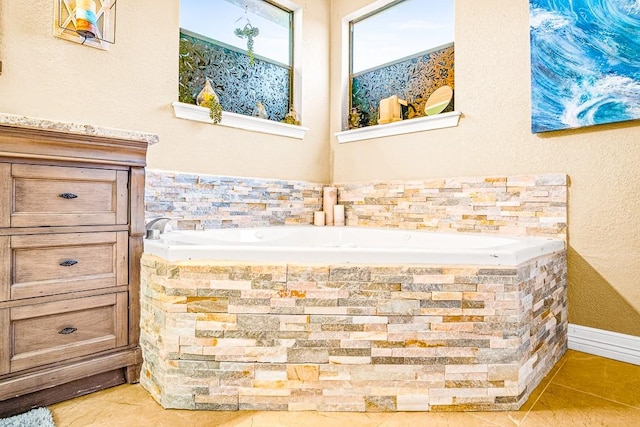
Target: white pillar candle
[
  {"x": 318, "y": 218},
  {"x": 338, "y": 215},
  {"x": 329, "y": 199}
]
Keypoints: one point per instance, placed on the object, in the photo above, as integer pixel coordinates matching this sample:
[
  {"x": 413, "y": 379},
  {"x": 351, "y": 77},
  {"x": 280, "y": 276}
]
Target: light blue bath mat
[{"x": 39, "y": 417}]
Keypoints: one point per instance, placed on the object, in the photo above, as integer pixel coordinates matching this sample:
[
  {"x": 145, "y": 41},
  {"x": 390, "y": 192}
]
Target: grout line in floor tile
[
  {"x": 599, "y": 397},
  {"x": 558, "y": 366},
  {"x": 493, "y": 423},
  {"x": 561, "y": 362}
]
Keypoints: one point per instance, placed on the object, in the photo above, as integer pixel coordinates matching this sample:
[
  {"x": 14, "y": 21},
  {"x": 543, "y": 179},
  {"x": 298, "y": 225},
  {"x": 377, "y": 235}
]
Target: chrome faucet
[{"x": 156, "y": 227}]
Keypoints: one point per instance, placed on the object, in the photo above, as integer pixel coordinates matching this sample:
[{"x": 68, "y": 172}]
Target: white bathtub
[{"x": 329, "y": 245}]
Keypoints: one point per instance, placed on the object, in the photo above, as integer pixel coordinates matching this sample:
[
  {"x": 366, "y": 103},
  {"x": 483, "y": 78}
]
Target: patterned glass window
[
  {"x": 404, "y": 49},
  {"x": 244, "y": 49}
]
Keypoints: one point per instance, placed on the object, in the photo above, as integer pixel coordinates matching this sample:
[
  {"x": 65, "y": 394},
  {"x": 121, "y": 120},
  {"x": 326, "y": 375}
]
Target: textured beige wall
[
  {"x": 132, "y": 86},
  {"x": 494, "y": 137}
]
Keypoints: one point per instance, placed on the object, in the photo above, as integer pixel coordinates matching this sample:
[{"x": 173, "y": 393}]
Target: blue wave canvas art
[{"x": 585, "y": 62}]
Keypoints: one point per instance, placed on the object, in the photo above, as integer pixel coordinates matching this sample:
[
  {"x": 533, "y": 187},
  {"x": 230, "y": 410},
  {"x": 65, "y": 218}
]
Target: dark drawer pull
[
  {"x": 67, "y": 331},
  {"x": 68, "y": 196},
  {"x": 68, "y": 262}
]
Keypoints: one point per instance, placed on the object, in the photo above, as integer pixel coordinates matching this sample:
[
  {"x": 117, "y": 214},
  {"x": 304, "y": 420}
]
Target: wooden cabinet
[
  {"x": 52, "y": 195},
  {"x": 61, "y": 330},
  {"x": 66, "y": 262},
  {"x": 71, "y": 229}
]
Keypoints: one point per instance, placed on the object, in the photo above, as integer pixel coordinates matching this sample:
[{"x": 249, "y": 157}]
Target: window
[
  {"x": 406, "y": 49},
  {"x": 244, "y": 48}
]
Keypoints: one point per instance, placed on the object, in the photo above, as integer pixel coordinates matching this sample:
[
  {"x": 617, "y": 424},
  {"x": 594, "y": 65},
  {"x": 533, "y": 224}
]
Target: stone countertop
[{"x": 75, "y": 128}]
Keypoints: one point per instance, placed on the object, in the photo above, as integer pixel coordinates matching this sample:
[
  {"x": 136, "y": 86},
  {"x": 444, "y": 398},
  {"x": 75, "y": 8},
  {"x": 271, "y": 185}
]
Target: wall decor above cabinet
[{"x": 88, "y": 22}]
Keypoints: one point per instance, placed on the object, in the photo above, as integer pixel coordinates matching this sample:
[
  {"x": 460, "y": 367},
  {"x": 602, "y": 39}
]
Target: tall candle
[
  {"x": 338, "y": 215},
  {"x": 329, "y": 199}
]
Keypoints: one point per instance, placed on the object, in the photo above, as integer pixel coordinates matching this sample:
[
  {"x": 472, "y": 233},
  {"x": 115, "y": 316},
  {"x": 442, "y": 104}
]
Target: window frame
[
  {"x": 439, "y": 121},
  {"x": 362, "y": 18},
  {"x": 229, "y": 119}
]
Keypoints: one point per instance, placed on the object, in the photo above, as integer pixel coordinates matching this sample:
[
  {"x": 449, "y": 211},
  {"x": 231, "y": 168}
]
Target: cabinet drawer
[
  {"x": 53, "y": 332},
  {"x": 66, "y": 196},
  {"x": 61, "y": 263}
]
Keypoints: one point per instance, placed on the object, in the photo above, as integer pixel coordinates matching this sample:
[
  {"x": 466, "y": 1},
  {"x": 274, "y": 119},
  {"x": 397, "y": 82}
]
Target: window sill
[
  {"x": 238, "y": 121},
  {"x": 439, "y": 121}
]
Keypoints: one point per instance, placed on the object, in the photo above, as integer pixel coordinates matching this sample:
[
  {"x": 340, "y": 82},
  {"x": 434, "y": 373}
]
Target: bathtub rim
[{"x": 524, "y": 249}]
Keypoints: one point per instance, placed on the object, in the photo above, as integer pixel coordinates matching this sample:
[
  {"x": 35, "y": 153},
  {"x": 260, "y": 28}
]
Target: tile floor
[{"x": 581, "y": 390}]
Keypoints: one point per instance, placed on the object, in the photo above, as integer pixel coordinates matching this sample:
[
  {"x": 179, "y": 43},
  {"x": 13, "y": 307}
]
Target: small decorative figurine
[
  {"x": 291, "y": 117},
  {"x": 260, "y": 111},
  {"x": 354, "y": 119}
]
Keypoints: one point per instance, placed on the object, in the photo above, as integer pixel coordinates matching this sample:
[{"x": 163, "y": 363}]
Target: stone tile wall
[
  {"x": 223, "y": 201},
  {"x": 350, "y": 337},
  {"x": 509, "y": 205},
  {"x": 534, "y": 205}
]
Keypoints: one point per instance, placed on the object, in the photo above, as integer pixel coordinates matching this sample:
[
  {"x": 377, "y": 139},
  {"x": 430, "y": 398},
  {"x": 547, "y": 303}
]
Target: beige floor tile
[
  {"x": 310, "y": 419},
  {"x": 513, "y": 418},
  {"x": 581, "y": 390},
  {"x": 131, "y": 406},
  {"x": 437, "y": 419},
  {"x": 565, "y": 407},
  {"x": 606, "y": 378},
  {"x": 358, "y": 419}
]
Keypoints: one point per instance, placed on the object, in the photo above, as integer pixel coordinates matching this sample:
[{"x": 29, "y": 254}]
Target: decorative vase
[{"x": 207, "y": 92}]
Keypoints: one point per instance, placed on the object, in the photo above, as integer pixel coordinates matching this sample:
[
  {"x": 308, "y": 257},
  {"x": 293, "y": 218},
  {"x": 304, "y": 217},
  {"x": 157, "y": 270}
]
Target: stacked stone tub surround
[
  {"x": 214, "y": 201},
  {"x": 345, "y": 337},
  {"x": 532, "y": 205}
]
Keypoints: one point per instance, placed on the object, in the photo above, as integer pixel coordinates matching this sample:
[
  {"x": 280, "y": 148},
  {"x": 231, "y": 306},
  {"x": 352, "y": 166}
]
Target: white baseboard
[{"x": 612, "y": 345}]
